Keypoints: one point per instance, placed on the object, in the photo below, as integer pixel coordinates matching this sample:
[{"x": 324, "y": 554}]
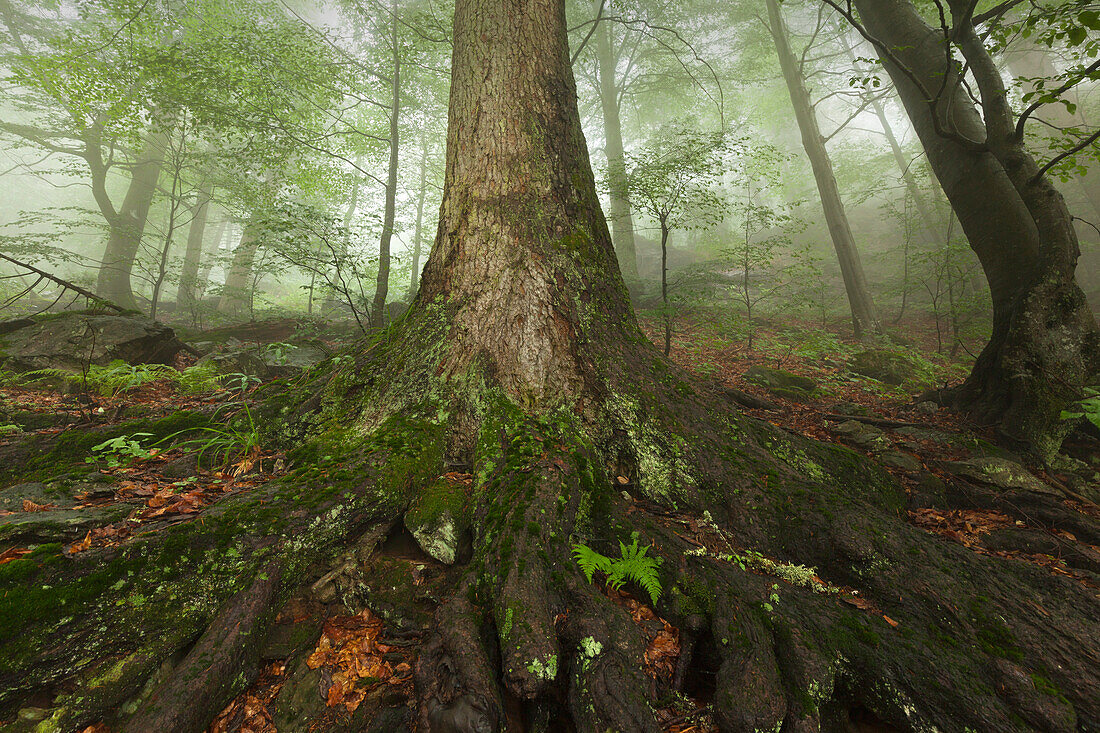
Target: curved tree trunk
[
  {"x": 1045, "y": 344},
  {"x": 128, "y": 226},
  {"x": 521, "y": 363},
  {"x": 622, "y": 220},
  {"x": 865, "y": 320}
]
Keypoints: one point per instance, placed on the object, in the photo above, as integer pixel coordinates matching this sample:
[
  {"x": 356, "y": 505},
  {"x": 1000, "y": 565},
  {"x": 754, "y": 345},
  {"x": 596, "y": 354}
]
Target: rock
[
  {"x": 897, "y": 459},
  {"x": 865, "y": 436},
  {"x": 850, "y": 409},
  {"x": 438, "y": 520},
  {"x": 301, "y": 700},
  {"x": 1002, "y": 473},
  {"x": 54, "y": 525},
  {"x": 782, "y": 383},
  {"x": 12, "y": 497},
  {"x": 890, "y": 367},
  {"x": 929, "y": 491},
  {"x": 926, "y": 407},
  {"x": 74, "y": 339},
  {"x": 238, "y": 361}
]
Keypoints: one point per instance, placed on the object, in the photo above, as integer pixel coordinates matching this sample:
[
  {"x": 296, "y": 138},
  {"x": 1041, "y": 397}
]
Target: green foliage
[
  {"x": 118, "y": 376},
  {"x": 1088, "y": 407},
  {"x": 120, "y": 450},
  {"x": 633, "y": 565},
  {"x": 198, "y": 379},
  {"x": 221, "y": 445}
]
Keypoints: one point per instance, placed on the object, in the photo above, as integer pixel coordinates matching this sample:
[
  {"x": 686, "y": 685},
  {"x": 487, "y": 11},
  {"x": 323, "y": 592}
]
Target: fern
[
  {"x": 41, "y": 374},
  {"x": 197, "y": 379},
  {"x": 633, "y": 565}
]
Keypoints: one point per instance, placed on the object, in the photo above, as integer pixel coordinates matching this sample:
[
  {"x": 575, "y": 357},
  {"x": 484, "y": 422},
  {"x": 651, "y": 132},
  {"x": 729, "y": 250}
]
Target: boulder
[
  {"x": 238, "y": 361},
  {"x": 73, "y": 340},
  {"x": 1001, "y": 473},
  {"x": 889, "y": 367},
  {"x": 782, "y": 383},
  {"x": 864, "y": 436}
]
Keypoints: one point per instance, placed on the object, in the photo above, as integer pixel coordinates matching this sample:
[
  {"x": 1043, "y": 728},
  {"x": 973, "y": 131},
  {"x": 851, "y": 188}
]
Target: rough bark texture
[
  {"x": 1045, "y": 344},
  {"x": 622, "y": 220},
  {"x": 521, "y": 364},
  {"x": 864, "y": 318},
  {"x": 128, "y": 225}
]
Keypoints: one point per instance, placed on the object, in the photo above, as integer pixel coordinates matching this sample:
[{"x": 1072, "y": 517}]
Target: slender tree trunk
[
  {"x": 340, "y": 254},
  {"x": 664, "y": 287},
  {"x": 236, "y": 296},
  {"x": 206, "y": 261},
  {"x": 864, "y": 317},
  {"x": 378, "y": 309},
  {"x": 414, "y": 277},
  {"x": 128, "y": 225},
  {"x": 1045, "y": 345},
  {"x": 622, "y": 219},
  {"x": 186, "y": 293}
]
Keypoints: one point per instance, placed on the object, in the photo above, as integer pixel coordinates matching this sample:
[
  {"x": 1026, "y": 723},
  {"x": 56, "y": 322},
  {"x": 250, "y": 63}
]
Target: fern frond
[
  {"x": 634, "y": 566},
  {"x": 590, "y": 561}
]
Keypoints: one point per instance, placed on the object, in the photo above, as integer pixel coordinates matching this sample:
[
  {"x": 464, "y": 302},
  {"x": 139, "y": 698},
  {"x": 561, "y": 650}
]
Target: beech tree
[
  {"x": 1045, "y": 346},
  {"x": 521, "y": 361}
]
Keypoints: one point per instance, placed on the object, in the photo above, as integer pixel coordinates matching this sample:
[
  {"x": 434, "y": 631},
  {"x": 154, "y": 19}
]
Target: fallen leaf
[
  {"x": 13, "y": 553},
  {"x": 30, "y": 506}
]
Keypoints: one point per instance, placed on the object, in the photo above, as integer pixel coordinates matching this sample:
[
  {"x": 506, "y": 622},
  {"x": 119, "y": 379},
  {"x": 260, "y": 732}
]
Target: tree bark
[
  {"x": 1045, "y": 345},
  {"x": 622, "y": 219},
  {"x": 381, "y": 291},
  {"x": 196, "y": 233},
  {"x": 128, "y": 225},
  {"x": 865, "y": 320},
  {"x": 236, "y": 292}
]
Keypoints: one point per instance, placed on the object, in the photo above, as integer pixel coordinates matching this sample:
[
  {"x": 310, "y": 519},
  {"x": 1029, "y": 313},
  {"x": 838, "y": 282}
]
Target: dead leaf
[
  {"x": 13, "y": 553},
  {"x": 30, "y": 506}
]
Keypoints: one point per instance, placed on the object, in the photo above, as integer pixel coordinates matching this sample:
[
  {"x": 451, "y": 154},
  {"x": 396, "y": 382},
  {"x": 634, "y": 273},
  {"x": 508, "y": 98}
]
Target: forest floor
[{"x": 358, "y": 659}]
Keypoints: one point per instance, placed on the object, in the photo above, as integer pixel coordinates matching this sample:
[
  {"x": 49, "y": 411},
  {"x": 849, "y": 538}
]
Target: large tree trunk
[
  {"x": 196, "y": 234},
  {"x": 864, "y": 317},
  {"x": 521, "y": 367},
  {"x": 1045, "y": 345},
  {"x": 128, "y": 226},
  {"x": 622, "y": 220},
  {"x": 382, "y": 287}
]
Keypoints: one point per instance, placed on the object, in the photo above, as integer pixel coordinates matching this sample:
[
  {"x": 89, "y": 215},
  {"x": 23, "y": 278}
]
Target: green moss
[{"x": 993, "y": 635}]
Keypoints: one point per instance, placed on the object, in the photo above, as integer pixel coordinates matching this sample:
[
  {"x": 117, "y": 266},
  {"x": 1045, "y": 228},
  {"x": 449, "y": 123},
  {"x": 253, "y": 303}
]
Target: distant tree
[{"x": 675, "y": 180}]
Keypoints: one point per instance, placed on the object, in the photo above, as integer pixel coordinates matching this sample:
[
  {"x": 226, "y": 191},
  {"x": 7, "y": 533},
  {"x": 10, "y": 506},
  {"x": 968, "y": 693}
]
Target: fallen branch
[{"x": 92, "y": 297}]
